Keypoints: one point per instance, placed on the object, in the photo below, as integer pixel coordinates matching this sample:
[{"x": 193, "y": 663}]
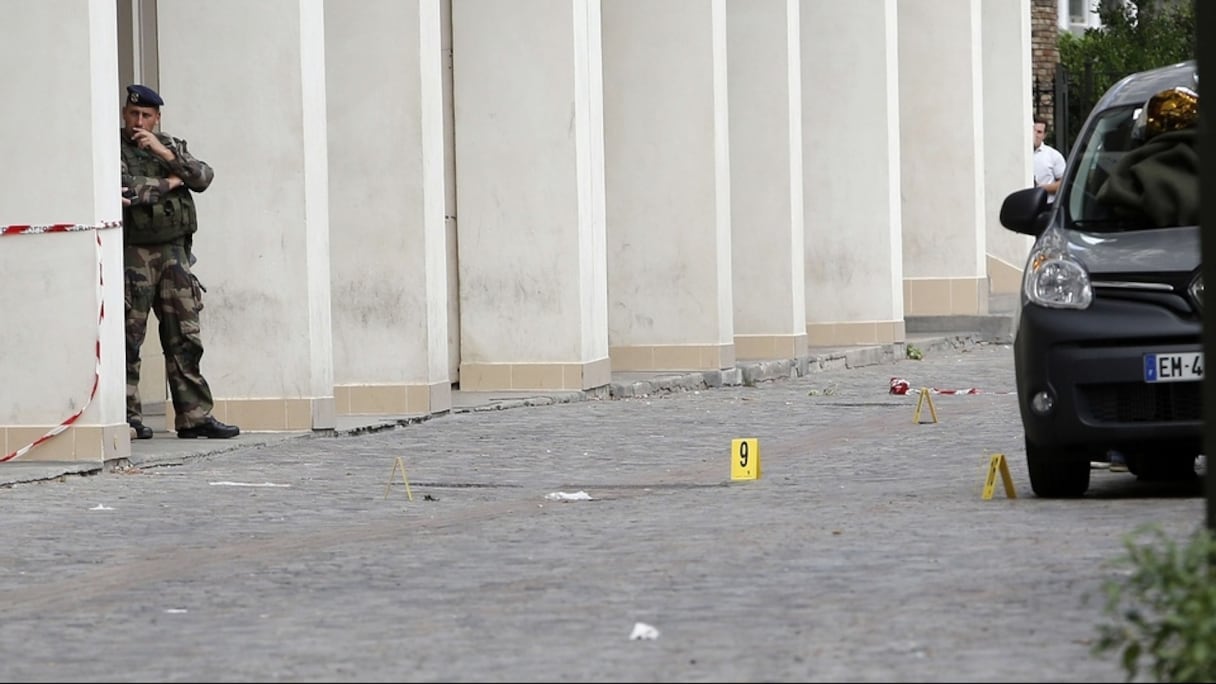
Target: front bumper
[{"x": 1092, "y": 362}]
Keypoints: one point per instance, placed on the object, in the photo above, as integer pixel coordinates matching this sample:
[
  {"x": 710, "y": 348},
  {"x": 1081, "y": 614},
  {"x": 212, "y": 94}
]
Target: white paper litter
[
  {"x": 101, "y": 507},
  {"x": 250, "y": 484},
  {"x": 641, "y": 630},
  {"x": 568, "y": 496}
]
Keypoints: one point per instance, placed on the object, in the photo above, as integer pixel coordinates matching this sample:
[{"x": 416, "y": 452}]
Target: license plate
[{"x": 1173, "y": 367}]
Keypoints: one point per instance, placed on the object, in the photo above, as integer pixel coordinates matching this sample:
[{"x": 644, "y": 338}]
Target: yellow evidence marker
[
  {"x": 398, "y": 464},
  {"x": 996, "y": 463},
  {"x": 745, "y": 459},
  {"x": 925, "y": 397}
]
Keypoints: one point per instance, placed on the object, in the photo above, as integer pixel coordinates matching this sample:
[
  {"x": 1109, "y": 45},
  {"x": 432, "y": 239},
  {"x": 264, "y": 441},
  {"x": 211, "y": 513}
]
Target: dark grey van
[{"x": 1108, "y": 350}]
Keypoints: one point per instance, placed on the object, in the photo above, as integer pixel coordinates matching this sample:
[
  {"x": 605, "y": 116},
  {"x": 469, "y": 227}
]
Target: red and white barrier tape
[
  {"x": 101, "y": 314},
  {"x": 25, "y": 229},
  {"x": 901, "y": 386}
]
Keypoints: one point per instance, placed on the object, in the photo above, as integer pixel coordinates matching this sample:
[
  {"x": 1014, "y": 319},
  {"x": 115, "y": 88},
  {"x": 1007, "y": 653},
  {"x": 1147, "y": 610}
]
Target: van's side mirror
[{"x": 1026, "y": 211}]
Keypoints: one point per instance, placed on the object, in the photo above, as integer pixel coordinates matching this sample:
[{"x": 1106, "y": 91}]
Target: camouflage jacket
[{"x": 157, "y": 214}]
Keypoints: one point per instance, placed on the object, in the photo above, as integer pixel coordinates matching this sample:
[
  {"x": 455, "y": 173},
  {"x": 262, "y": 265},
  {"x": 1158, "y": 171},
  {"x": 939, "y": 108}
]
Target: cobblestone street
[{"x": 864, "y": 552}]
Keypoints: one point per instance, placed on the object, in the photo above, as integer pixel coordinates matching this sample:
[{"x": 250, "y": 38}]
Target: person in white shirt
[{"x": 1048, "y": 162}]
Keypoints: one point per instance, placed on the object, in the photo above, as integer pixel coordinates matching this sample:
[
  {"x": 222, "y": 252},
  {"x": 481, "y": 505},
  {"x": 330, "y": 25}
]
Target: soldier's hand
[{"x": 147, "y": 140}]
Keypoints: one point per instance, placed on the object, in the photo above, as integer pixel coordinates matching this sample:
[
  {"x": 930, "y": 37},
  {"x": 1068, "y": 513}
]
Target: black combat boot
[
  {"x": 211, "y": 429},
  {"x": 141, "y": 431}
]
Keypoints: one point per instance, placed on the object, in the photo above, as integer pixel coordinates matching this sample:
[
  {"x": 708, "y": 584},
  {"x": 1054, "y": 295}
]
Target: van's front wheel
[{"x": 1054, "y": 474}]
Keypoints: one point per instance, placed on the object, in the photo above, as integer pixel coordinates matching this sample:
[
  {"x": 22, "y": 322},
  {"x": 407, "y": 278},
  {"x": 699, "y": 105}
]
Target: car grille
[{"x": 1138, "y": 402}]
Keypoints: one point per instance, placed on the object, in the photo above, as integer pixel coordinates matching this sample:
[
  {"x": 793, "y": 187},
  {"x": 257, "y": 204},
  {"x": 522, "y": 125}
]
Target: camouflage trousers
[{"x": 158, "y": 279}]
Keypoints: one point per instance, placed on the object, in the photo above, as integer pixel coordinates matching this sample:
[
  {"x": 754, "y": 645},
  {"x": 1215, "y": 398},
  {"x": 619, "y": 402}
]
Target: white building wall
[
  {"x": 555, "y": 222},
  {"x": 941, "y": 140},
  {"x": 244, "y": 84},
  {"x": 851, "y": 132},
  {"x": 1008, "y": 160},
  {"x": 589, "y": 142},
  {"x": 667, "y": 166},
  {"x": 765, "y": 89},
  {"x": 386, "y": 190},
  {"x": 529, "y": 210},
  {"x": 59, "y": 138}
]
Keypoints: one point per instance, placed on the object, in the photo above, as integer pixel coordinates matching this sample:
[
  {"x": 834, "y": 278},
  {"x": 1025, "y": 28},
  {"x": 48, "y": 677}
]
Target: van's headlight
[{"x": 1056, "y": 280}]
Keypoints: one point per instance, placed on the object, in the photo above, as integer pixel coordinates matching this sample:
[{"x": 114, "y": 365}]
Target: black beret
[{"x": 143, "y": 96}]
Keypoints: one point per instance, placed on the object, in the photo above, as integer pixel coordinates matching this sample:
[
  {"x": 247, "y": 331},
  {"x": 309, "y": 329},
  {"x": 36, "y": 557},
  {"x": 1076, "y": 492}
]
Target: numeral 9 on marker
[{"x": 745, "y": 459}]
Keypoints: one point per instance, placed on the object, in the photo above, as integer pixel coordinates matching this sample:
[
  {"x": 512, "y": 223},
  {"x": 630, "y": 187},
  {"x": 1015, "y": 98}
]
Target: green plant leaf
[{"x": 1163, "y": 611}]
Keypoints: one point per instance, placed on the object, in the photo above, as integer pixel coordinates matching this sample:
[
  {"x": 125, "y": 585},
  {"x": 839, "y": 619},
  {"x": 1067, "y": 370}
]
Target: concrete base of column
[
  {"x": 535, "y": 376},
  {"x": 846, "y": 333},
  {"x": 88, "y": 443},
  {"x": 672, "y": 357},
  {"x": 770, "y": 346},
  {"x": 270, "y": 415},
  {"x": 1005, "y": 278},
  {"x": 945, "y": 296},
  {"x": 405, "y": 399}
]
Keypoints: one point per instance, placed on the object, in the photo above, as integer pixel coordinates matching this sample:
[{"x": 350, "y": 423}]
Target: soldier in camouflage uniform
[{"x": 159, "y": 221}]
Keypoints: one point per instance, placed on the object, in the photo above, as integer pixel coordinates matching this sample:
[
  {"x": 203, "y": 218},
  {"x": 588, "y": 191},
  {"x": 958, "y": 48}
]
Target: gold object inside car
[{"x": 1172, "y": 109}]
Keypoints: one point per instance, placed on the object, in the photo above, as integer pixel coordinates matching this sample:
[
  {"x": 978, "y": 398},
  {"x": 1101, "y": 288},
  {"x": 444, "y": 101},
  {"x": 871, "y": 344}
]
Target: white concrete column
[
  {"x": 942, "y": 139},
  {"x": 765, "y": 91},
  {"x": 851, "y": 134},
  {"x": 1008, "y": 160},
  {"x": 386, "y": 191},
  {"x": 59, "y": 135},
  {"x": 667, "y": 164},
  {"x": 244, "y": 84},
  {"x": 530, "y": 207}
]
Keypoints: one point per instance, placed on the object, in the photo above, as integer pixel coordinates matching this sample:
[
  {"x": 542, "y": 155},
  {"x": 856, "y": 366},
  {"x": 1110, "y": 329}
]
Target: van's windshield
[{"x": 1122, "y": 183}]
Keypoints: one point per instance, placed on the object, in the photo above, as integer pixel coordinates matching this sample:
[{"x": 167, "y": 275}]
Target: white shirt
[{"x": 1048, "y": 167}]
